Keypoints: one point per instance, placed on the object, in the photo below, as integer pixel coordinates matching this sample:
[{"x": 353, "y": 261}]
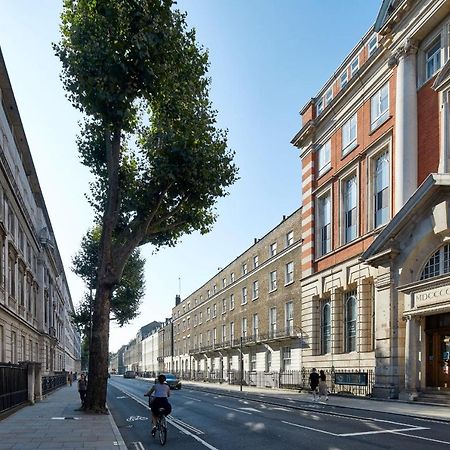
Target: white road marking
[
  {"x": 186, "y": 425},
  {"x": 135, "y": 418},
  {"x": 424, "y": 438},
  {"x": 138, "y": 445},
  {"x": 192, "y": 398},
  {"x": 251, "y": 409},
  {"x": 232, "y": 409},
  {"x": 361, "y": 433},
  {"x": 308, "y": 428},
  {"x": 178, "y": 427}
]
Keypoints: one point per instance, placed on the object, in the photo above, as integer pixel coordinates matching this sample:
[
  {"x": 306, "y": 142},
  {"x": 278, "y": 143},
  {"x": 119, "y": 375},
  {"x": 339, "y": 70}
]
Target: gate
[{"x": 13, "y": 386}]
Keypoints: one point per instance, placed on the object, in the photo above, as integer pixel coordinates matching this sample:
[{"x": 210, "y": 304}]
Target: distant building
[{"x": 35, "y": 301}]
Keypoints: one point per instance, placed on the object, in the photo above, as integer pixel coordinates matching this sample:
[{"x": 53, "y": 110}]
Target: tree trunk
[{"x": 98, "y": 352}]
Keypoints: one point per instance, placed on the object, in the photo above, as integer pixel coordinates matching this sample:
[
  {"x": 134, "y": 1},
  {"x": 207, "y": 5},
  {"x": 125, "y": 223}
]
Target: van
[{"x": 130, "y": 374}]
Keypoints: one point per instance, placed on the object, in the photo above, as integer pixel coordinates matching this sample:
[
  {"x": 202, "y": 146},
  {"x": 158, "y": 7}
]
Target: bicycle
[{"x": 161, "y": 427}]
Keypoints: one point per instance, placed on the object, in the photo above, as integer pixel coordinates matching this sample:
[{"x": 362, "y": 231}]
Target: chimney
[
  {"x": 177, "y": 300},
  {"x": 256, "y": 240}
]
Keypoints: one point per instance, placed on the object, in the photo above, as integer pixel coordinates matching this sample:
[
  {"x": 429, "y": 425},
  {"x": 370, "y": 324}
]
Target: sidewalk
[
  {"x": 54, "y": 423},
  {"x": 422, "y": 410}
]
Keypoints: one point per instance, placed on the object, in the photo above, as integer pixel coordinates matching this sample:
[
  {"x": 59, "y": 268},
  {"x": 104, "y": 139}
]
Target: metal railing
[
  {"x": 287, "y": 379},
  {"x": 13, "y": 386},
  {"x": 52, "y": 382}
]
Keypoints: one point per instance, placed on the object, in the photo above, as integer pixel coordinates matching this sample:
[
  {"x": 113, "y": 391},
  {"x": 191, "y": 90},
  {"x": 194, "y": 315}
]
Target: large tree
[{"x": 149, "y": 137}]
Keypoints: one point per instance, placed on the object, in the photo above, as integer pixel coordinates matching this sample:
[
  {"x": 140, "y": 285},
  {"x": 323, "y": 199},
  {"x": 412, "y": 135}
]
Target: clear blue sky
[{"x": 268, "y": 57}]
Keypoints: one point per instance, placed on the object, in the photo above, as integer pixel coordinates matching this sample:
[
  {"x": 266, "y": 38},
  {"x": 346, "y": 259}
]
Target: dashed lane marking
[{"x": 233, "y": 409}]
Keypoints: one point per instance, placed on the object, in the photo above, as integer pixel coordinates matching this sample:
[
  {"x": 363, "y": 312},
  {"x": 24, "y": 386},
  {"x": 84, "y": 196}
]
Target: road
[{"x": 205, "y": 418}]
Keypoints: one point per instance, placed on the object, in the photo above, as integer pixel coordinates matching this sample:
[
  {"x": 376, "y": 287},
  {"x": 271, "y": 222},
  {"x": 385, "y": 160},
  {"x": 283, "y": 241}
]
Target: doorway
[{"x": 438, "y": 351}]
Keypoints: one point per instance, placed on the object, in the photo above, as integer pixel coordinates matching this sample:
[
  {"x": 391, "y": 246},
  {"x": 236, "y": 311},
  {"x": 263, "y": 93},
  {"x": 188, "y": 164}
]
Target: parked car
[
  {"x": 130, "y": 374},
  {"x": 171, "y": 380}
]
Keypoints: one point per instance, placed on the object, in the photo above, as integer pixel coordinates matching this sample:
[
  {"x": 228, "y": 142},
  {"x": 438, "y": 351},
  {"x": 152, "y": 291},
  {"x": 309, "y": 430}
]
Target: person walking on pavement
[
  {"x": 314, "y": 382},
  {"x": 323, "y": 388},
  {"x": 70, "y": 379},
  {"x": 82, "y": 388}
]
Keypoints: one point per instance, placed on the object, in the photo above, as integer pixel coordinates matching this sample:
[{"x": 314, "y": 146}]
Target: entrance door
[{"x": 438, "y": 358}]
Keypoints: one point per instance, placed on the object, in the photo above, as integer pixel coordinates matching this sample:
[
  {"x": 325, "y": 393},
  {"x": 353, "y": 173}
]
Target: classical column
[
  {"x": 405, "y": 151},
  {"x": 411, "y": 356}
]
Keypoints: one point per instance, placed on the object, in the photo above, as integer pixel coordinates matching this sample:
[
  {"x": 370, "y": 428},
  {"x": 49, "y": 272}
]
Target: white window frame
[
  {"x": 255, "y": 261},
  {"x": 231, "y": 302},
  {"x": 272, "y": 322},
  {"x": 343, "y": 79},
  {"x": 286, "y": 357},
  {"x": 324, "y": 158},
  {"x": 435, "y": 58},
  {"x": 244, "y": 292},
  {"x": 372, "y": 45},
  {"x": 328, "y": 95},
  {"x": 378, "y": 113},
  {"x": 255, "y": 290},
  {"x": 345, "y": 238},
  {"x": 374, "y": 192},
  {"x": 289, "y": 273},
  {"x": 224, "y": 306},
  {"x": 319, "y": 106},
  {"x": 320, "y": 251},
  {"x": 273, "y": 281},
  {"x": 350, "y": 337},
  {"x": 255, "y": 325},
  {"x": 244, "y": 325},
  {"x": 325, "y": 328},
  {"x": 349, "y": 134},
  {"x": 273, "y": 249},
  {"x": 289, "y": 317},
  {"x": 232, "y": 277},
  {"x": 289, "y": 238},
  {"x": 354, "y": 66},
  {"x": 244, "y": 269}
]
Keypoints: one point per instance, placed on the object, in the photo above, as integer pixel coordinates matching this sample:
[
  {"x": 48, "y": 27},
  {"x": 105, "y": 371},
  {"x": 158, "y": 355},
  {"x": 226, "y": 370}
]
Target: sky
[{"x": 267, "y": 59}]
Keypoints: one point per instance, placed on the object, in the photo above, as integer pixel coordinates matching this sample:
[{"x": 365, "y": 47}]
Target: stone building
[
  {"x": 374, "y": 145},
  {"x": 252, "y": 305},
  {"x": 35, "y": 301}
]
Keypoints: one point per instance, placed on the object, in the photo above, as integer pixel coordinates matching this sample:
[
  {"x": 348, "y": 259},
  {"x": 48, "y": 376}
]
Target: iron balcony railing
[{"x": 13, "y": 386}]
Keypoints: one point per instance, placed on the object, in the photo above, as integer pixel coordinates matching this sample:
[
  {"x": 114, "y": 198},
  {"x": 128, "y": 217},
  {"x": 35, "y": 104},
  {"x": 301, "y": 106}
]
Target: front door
[{"x": 438, "y": 358}]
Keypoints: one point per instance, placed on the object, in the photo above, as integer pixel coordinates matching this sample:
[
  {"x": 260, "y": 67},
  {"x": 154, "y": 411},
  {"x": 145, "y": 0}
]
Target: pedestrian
[
  {"x": 82, "y": 388},
  {"x": 70, "y": 378},
  {"x": 323, "y": 388},
  {"x": 314, "y": 382}
]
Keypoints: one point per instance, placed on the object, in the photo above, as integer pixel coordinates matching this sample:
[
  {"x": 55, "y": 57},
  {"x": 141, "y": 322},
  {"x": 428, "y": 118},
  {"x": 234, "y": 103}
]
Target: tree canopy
[{"x": 149, "y": 137}]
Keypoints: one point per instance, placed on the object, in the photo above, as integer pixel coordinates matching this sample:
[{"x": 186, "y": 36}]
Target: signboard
[
  {"x": 432, "y": 296},
  {"x": 351, "y": 378}
]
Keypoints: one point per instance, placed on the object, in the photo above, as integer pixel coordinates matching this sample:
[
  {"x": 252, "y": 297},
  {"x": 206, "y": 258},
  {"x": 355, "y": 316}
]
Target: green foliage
[{"x": 126, "y": 297}]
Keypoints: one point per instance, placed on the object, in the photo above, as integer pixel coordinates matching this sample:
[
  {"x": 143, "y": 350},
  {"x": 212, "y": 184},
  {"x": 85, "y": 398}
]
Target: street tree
[{"x": 150, "y": 138}]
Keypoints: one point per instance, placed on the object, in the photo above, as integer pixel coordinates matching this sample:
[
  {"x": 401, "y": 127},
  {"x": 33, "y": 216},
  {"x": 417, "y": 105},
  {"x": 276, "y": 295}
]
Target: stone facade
[{"x": 35, "y": 301}]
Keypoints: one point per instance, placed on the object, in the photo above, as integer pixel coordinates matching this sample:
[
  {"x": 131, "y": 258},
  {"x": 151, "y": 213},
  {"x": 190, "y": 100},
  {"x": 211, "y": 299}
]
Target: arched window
[
  {"x": 350, "y": 322},
  {"x": 326, "y": 328},
  {"x": 438, "y": 264}
]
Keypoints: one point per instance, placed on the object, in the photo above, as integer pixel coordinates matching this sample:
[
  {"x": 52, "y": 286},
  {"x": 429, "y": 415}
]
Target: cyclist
[{"x": 160, "y": 392}]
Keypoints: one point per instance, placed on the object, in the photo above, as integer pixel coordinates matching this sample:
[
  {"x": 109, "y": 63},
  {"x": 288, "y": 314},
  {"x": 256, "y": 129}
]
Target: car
[
  {"x": 171, "y": 380},
  {"x": 130, "y": 374}
]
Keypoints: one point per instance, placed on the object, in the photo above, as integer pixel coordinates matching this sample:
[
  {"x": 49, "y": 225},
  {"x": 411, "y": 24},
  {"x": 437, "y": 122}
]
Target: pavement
[{"x": 57, "y": 423}]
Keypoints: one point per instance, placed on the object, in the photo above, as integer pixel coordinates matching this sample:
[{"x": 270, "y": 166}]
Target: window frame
[
  {"x": 350, "y": 335},
  {"x": 436, "y": 45},
  {"x": 382, "y": 115},
  {"x": 272, "y": 281},
  {"x": 325, "y": 328},
  {"x": 354, "y": 67},
  {"x": 347, "y": 127},
  {"x": 289, "y": 238},
  {"x": 319, "y": 227},
  {"x": 371, "y": 49},
  {"x": 289, "y": 274},
  {"x": 353, "y": 175},
  {"x": 255, "y": 289},
  {"x": 244, "y": 292},
  {"x": 324, "y": 158},
  {"x": 343, "y": 78}
]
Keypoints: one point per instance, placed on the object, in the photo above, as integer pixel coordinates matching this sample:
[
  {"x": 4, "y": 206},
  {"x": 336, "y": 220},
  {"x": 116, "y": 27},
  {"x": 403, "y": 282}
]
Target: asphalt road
[{"x": 203, "y": 418}]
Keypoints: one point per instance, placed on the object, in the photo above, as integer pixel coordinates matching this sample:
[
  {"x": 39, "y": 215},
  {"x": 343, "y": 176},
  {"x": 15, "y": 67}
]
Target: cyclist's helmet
[{"x": 162, "y": 378}]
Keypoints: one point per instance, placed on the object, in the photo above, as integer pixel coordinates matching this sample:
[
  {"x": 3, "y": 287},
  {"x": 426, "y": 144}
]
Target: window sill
[
  {"x": 379, "y": 125},
  {"x": 272, "y": 290},
  {"x": 321, "y": 174},
  {"x": 349, "y": 149},
  {"x": 289, "y": 283},
  {"x": 256, "y": 298}
]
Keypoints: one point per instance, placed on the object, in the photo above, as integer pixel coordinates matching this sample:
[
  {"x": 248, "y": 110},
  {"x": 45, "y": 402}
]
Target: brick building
[{"x": 374, "y": 145}]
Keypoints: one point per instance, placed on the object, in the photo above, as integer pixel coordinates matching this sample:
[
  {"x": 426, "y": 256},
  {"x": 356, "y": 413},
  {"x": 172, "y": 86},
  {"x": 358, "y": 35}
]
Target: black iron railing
[
  {"x": 13, "y": 386},
  {"x": 52, "y": 382}
]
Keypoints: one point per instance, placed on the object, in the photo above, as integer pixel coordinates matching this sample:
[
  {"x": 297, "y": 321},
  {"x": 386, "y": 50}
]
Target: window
[
  {"x": 244, "y": 295},
  {"x": 12, "y": 275},
  {"x": 13, "y": 347},
  {"x": 232, "y": 331},
  {"x": 268, "y": 361},
  {"x": 195, "y": 320},
  {"x": 232, "y": 301},
  {"x": 350, "y": 321},
  {"x": 372, "y": 45},
  {"x": 438, "y": 264},
  {"x": 289, "y": 312},
  {"x": 232, "y": 277},
  {"x": 324, "y": 225},
  {"x": 349, "y": 135},
  {"x": 273, "y": 249},
  {"x": 325, "y": 331},
  {"x": 433, "y": 58},
  {"x": 215, "y": 288},
  {"x": 272, "y": 322},
  {"x": 289, "y": 272},
  {"x": 289, "y": 238},
  {"x": 379, "y": 107},
  {"x": 319, "y": 106},
  {"x": 209, "y": 293},
  {"x": 214, "y": 310},
  {"x": 328, "y": 96},
  {"x": 286, "y": 352},
  {"x": 214, "y": 336},
  {"x": 354, "y": 66},
  {"x": 244, "y": 327},
  {"x": 200, "y": 321},
  {"x": 224, "y": 306},
  {"x": 324, "y": 158},
  {"x": 349, "y": 206},
  {"x": 273, "y": 280},
  {"x": 255, "y": 290},
  {"x": 224, "y": 283},
  {"x": 208, "y": 313},
  {"x": 244, "y": 269},
  {"x": 253, "y": 361},
  {"x": 224, "y": 333},
  {"x": 343, "y": 79},
  {"x": 381, "y": 190},
  {"x": 255, "y": 325}
]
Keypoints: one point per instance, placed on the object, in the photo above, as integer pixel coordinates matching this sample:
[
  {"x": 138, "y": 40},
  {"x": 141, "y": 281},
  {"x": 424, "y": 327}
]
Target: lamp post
[
  {"x": 163, "y": 365},
  {"x": 241, "y": 365}
]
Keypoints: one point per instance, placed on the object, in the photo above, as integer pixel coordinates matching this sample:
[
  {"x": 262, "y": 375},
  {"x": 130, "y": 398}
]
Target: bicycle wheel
[{"x": 162, "y": 428}]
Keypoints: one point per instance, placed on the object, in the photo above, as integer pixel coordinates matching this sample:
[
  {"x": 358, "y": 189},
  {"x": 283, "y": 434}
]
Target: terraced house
[
  {"x": 251, "y": 308},
  {"x": 35, "y": 301},
  {"x": 374, "y": 145}
]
